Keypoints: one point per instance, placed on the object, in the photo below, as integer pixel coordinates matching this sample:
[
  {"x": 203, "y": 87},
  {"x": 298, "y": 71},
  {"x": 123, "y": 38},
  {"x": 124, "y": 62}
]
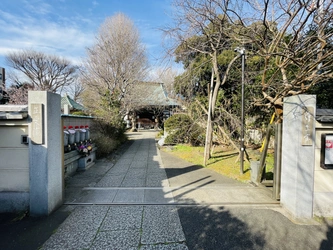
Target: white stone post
[
  {"x": 298, "y": 155},
  {"x": 45, "y": 152}
]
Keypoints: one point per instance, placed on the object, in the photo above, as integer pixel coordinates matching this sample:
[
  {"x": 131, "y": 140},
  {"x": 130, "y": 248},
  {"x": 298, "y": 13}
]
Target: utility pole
[{"x": 241, "y": 51}]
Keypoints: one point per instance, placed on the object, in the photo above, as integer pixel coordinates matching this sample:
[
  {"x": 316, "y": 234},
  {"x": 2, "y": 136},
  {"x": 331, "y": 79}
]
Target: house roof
[
  {"x": 13, "y": 112},
  {"x": 73, "y": 105},
  {"x": 324, "y": 115}
]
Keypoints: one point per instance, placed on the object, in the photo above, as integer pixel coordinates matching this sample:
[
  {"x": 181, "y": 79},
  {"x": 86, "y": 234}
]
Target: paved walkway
[{"x": 147, "y": 199}]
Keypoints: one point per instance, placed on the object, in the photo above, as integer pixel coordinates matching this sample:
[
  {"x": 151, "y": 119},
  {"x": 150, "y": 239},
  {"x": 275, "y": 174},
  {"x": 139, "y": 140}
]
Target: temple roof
[
  {"x": 153, "y": 94},
  {"x": 73, "y": 105}
]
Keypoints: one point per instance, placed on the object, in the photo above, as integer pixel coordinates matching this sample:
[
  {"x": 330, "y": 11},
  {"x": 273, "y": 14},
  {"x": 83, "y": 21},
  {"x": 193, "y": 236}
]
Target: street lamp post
[{"x": 241, "y": 51}]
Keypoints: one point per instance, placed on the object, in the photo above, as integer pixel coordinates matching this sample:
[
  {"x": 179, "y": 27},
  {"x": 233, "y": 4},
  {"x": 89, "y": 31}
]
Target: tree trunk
[
  {"x": 209, "y": 129},
  {"x": 134, "y": 121},
  {"x": 208, "y": 143},
  {"x": 228, "y": 138}
]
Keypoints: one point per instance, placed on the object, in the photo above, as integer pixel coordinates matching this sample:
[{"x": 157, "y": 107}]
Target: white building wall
[
  {"x": 323, "y": 178},
  {"x": 14, "y": 161}
]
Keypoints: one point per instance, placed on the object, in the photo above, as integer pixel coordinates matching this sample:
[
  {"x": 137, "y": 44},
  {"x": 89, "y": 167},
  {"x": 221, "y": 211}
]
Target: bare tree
[
  {"x": 18, "y": 94},
  {"x": 117, "y": 60},
  {"x": 203, "y": 28},
  {"x": 75, "y": 89},
  {"x": 293, "y": 38},
  {"x": 43, "y": 72},
  {"x": 167, "y": 77}
]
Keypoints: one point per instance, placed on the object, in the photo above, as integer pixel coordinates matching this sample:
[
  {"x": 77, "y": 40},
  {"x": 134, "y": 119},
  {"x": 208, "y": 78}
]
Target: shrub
[
  {"x": 107, "y": 137},
  {"x": 82, "y": 113},
  {"x": 181, "y": 128},
  {"x": 105, "y": 145}
]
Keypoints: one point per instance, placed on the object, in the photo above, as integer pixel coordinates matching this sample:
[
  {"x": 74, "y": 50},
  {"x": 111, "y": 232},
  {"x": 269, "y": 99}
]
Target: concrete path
[
  {"x": 148, "y": 199},
  {"x": 145, "y": 175},
  {"x": 121, "y": 205}
]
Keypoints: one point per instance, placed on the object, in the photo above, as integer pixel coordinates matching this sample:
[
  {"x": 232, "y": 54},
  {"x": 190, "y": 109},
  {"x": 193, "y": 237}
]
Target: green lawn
[{"x": 223, "y": 160}]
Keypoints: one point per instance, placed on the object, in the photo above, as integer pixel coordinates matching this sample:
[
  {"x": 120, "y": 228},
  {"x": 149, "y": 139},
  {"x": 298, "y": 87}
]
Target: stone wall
[
  {"x": 14, "y": 155},
  {"x": 34, "y": 135}
]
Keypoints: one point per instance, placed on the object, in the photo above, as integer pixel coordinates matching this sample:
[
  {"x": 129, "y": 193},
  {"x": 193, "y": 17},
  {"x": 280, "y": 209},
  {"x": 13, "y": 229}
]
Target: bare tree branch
[
  {"x": 117, "y": 60},
  {"x": 44, "y": 72}
]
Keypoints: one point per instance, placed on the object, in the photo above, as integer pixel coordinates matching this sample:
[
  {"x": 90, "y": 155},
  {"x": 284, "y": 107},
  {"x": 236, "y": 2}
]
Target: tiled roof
[
  {"x": 73, "y": 105},
  {"x": 153, "y": 94},
  {"x": 13, "y": 112},
  {"x": 324, "y": 115}
]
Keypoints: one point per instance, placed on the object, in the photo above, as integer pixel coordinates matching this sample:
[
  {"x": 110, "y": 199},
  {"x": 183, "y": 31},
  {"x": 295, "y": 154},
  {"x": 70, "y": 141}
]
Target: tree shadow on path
[{"x": 208, "y": 226}]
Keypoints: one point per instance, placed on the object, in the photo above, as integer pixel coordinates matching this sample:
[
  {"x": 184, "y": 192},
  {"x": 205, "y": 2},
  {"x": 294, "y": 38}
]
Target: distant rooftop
[
  {"x": 73, "y": 105},
  {"x": 153, "y": 94},
  {"x": 13, "y": 112},
  {"x": 324, "y": 115}
]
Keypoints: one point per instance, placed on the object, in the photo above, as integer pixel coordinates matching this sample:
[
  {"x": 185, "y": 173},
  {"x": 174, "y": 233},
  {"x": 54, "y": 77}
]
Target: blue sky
[{"x": 67, "y": 27}]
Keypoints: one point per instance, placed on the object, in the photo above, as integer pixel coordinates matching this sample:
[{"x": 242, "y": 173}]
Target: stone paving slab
[
  {"x": 130, "y": 196},
  {"x": 133, "y": 181},
  {"x": 161, "y": 224},
  {"x": 72, "y": 195},
  {"x": 157, "y": 196},
  {"x": 156, "y": 180},
  {"x": 220, "y": 195},
  {"x": 120, "y": 240},
  {"x": 140, "y": 164},
  {"x": 100, "y": 196},
  {"x": 128, "y": 156},
  {"x": 84, "y": 181},
  {"x": 136, "y": 200},
  {"x": 172, "y": 246},
  {"x": 111, "y": 180},
  {"x": 132, "y": 172},
  {"x": 122, "y": 218},
  {"x": 119, "y": 227},
  {"x": 172, "y": 195},
  {"x": 125, "y": 160},
  {"x": 78, "y": 230}
]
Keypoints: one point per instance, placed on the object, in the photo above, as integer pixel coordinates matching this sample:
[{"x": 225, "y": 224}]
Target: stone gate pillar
[
  {"x": 298, "y": 155},
  {"x": 45, "y": 155}
]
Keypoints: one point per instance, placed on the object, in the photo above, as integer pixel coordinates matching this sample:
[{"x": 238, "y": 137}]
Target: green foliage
[
  {"x": 225, "y": 57},
  {"x": 160, "y": 134},
  {"x": 324, "y": 93},
  {"x": 82, "y": 113},
  {"x": 193, "y": 82},
  {"x": 109, "y": 127},
  {"x": 108, "y": 130},
  {"x": 182, "y": 129}
]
